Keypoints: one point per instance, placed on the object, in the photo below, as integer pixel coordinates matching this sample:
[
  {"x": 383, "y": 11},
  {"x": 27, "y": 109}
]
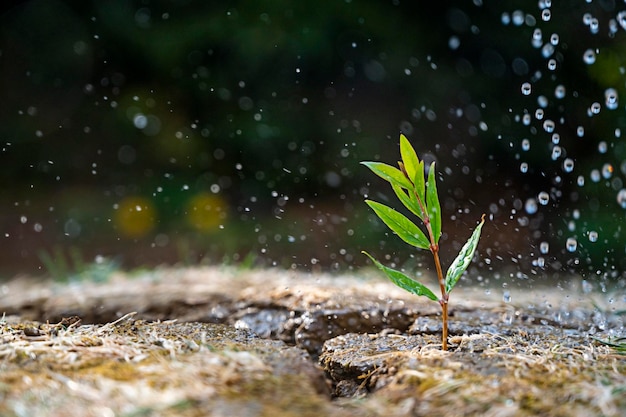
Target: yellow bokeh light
[
  {"x": 135, "y": 216},
  {"x": 206, "y": 212}
]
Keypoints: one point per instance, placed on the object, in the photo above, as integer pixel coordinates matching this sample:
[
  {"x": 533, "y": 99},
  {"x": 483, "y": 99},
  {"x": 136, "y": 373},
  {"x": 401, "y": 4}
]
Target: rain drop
[
  {"x": 602, "y": 147},
  {"x": 621, "y": 19},
  {"x": 552, "y": 64},
  {"x": 548, "y": 126},
  {"x": 543, "y": 198},
  {"x": 559, "y": 91},
  {"x": 523, "y": 167},
  {"x": 546, "y": 15},
  {"x": 547, "y": 50},
  {"x": 556, "y": 153},
  {"x": 554, "y": 39},
  {"x": 607, "y": 171},
  {"x": 568, "y": 165},
  {"x": 531, "y": 205},
  {"x": 506, "y": 297},
  {"x": 593, "y": 236},
  {"x": 580, "y": 131},
  {"x": 610, "y": 98},
  {"x": 571, "y": 244},
  {"x": 526, "y": 89},
  {"x": 544, "y": 247},
  {"x": 589, "y": 57},
  {"x": 525, "y": 144},
  {"x": 621, "y": 198},
  {"x": 580, "y": 180},
  {"x": 595, "y": 175}
]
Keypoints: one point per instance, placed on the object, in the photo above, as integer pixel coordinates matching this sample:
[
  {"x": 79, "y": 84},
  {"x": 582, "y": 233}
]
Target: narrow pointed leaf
[
  {"x": 389, "y": 173},
  {"x": 464, "y": 258},
  {"x": 432, "y": 203},
  {"x": 409, "y": 157},
  {"x": 400, "y": 225},
  {"x": 419, "y": 182},
  {"x": 403, "y": 281},
  {"x": 408, "y": 200}
]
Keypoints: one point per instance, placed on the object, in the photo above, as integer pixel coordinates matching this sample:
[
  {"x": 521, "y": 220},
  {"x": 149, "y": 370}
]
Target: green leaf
[
  {"x": 419, "y": 182},
  {"x": 409, "y": 157},
  {"x": 389, "y": 173},
  {"x": 404, "y": 281},
  {"x": 402, "y": 226},
  {"x": 432, "y": 203},
  {"x": 464, "y": 258},
  {"x": 408, "y": 200}
]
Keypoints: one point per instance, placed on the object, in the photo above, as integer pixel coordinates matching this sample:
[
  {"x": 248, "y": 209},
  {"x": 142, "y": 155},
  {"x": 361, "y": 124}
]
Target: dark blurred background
[{"x": 141, "y": 133}]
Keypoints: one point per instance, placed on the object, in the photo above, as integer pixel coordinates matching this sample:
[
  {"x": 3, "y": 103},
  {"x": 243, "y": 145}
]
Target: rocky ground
[{"x": 228, "y": 342}]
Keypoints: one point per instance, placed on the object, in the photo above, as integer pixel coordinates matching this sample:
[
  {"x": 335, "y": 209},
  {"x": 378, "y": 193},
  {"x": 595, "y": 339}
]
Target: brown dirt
[{"x": 219, "y": 341}]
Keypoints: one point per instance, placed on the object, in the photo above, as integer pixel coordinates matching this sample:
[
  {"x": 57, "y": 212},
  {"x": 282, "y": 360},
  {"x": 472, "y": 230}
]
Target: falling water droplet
[
  {"x": 547, "y": 50},
  {"x": 589, "y": 57},
  {"x": 571, "y": 244},
  {"x": 544, "y": 247},
  {"x": 526, "y": 89},
  {"x": 556, "y": 153},
  {"x": 525, "y": 144},
  {"x": 523, "y": 167},
  {"x": 602, "y": 147},
  {"x": 506, "y": 297},
  {"x": 580, "y": 180},
  {"x": 621, "y": 198},
  {"x": 554, "y": 39},
  {"x": 568, "y": 165},
  {"x": 595, "y": 175},
  {"x": 531, "y": 205},
  {"x": 560, "y": 91},
  {"x": 607, "y": 171},
  {"x": 543, "y": 198},
  {"x": 546, "y": 15},
  {"x": 548, "y": 126},
  {"x": 611, "y": 98},
  {"x": 539, "y": 114},
  {"x": 580, "y": 131},
  {"x": 593, "y": 236}
]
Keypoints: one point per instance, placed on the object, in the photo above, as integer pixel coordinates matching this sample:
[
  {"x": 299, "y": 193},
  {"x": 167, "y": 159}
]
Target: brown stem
[
  {"x": 434, "y": 248},
  {"x": 444, "y": 330}
]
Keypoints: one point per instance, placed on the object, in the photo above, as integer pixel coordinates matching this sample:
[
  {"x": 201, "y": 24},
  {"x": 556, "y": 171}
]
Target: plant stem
[{"x": 444, "y": 295}]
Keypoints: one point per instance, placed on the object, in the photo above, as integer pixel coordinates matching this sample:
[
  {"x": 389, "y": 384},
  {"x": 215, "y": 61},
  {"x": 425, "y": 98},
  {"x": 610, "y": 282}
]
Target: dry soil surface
[{"x": 228, "y": 342}]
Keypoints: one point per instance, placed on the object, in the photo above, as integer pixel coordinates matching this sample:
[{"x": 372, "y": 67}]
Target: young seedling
[{"x": 419, "y": 196}]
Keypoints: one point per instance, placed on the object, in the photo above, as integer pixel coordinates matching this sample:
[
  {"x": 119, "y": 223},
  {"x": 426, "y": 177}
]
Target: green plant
[
  {"x": 618, "y": 344},
  {"x": 419, "y": 196}
]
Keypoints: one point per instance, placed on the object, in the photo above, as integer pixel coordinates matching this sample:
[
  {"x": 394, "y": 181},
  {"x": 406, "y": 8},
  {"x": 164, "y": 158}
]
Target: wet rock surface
[{"x": 280, "y": 343}]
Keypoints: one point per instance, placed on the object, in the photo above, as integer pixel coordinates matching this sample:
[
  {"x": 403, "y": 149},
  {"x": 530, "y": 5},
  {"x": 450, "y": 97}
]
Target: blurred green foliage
[{"x": 159, "y": 131}]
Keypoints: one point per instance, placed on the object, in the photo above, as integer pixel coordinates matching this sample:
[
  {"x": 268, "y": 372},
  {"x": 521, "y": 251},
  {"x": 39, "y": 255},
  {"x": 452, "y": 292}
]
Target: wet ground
[{"x": 219, "y": 341}]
